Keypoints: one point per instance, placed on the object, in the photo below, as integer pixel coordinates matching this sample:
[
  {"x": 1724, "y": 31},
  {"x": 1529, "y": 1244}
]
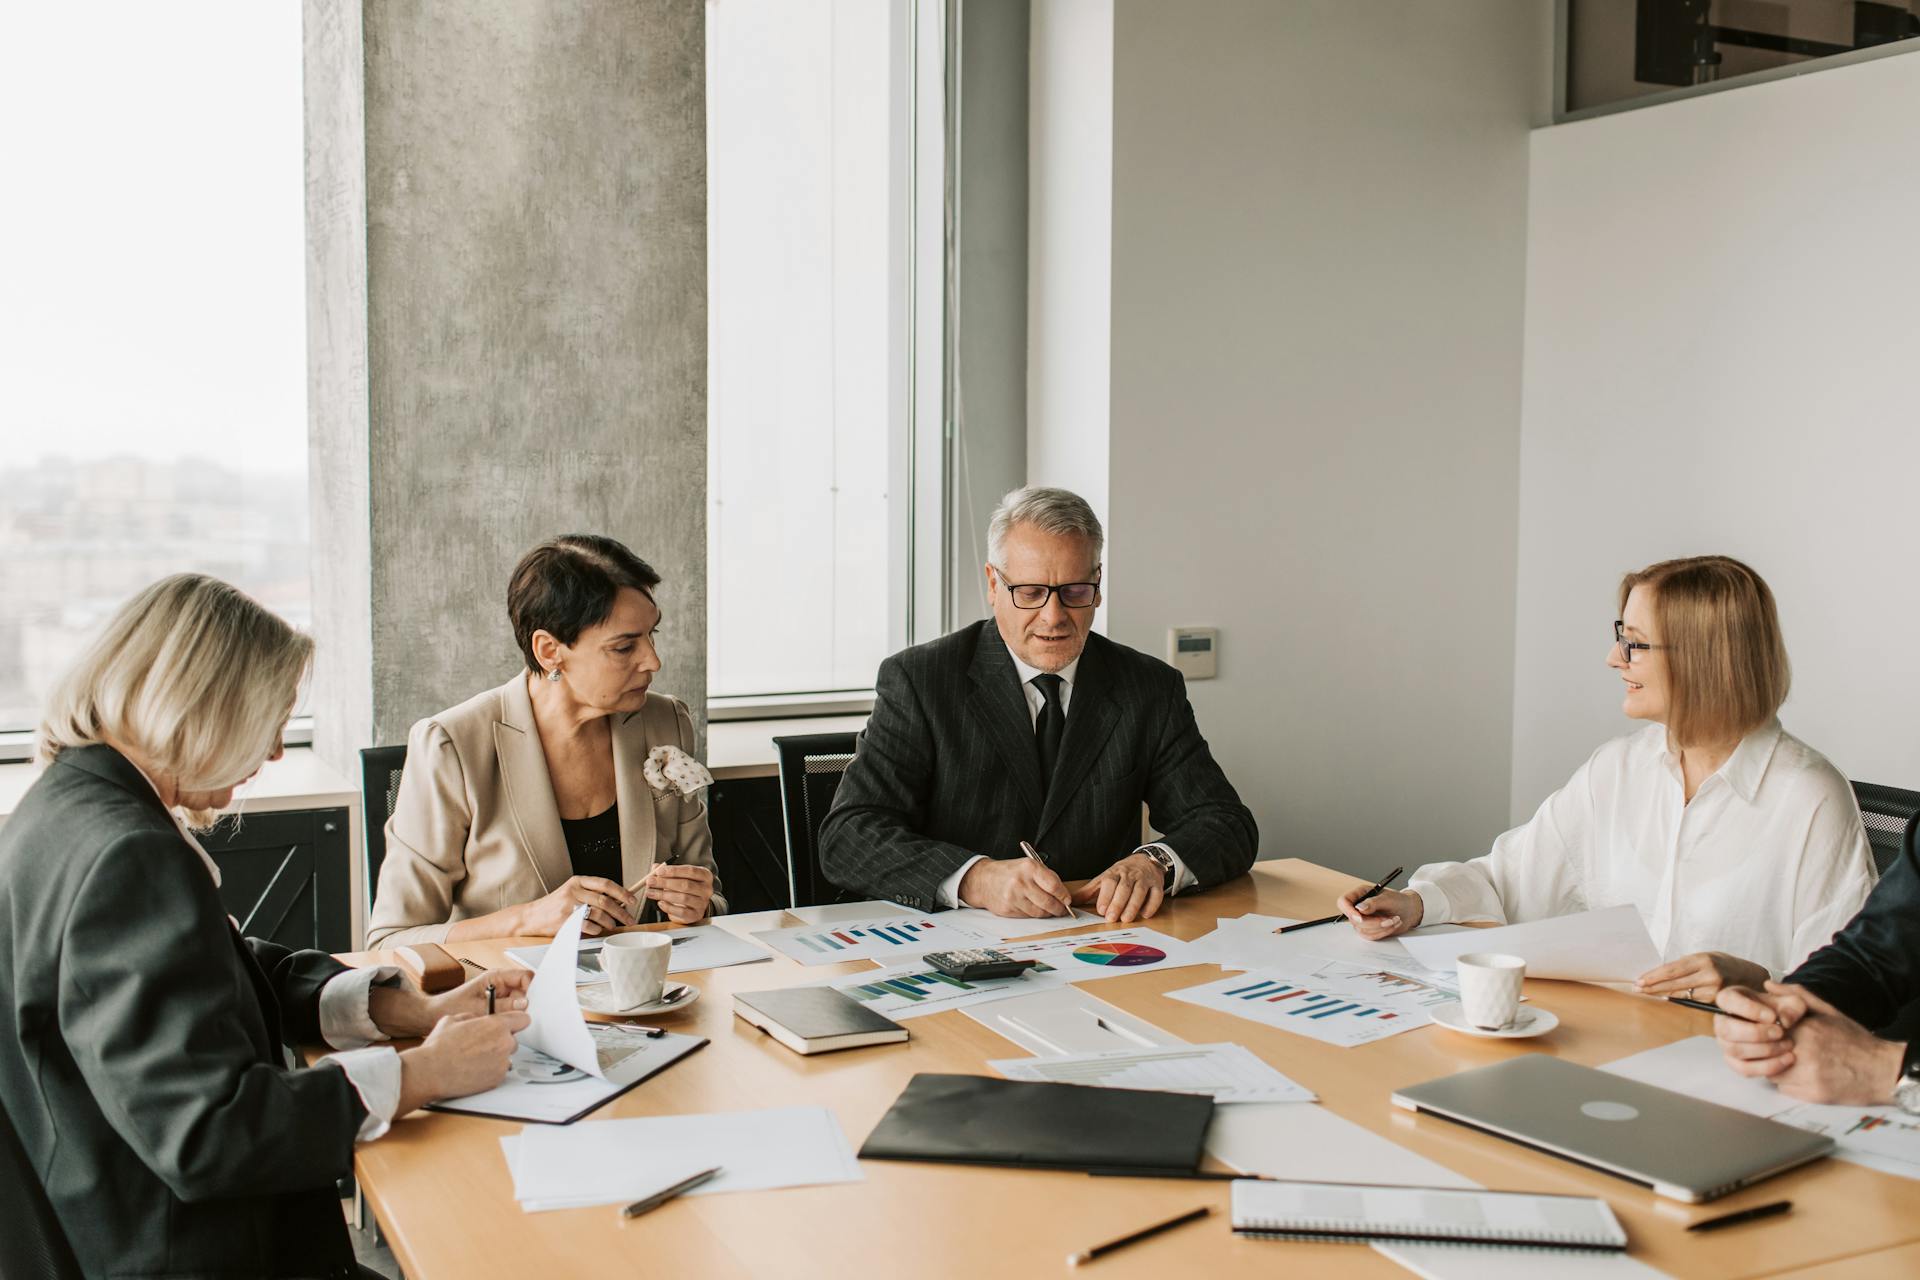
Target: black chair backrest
[
  {"x": 1892, "y": 817},
  {"x": 811, "y": 765},
  {"x": 32, "y": 1244},
  {"x": 380, "y": 769}
]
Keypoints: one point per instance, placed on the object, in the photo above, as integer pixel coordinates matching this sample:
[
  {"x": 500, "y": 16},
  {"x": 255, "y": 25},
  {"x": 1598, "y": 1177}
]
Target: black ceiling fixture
[{"x": 1676, "y": 42}]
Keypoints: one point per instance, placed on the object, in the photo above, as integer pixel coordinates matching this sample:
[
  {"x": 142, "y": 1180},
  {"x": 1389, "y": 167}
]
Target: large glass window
[
  {"x": 153, "y": 336},
  {"x": 807, "y": 103}
]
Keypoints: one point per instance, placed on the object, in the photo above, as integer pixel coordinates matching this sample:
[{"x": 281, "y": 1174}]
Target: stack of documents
[{"x": 620, "y": 1161}]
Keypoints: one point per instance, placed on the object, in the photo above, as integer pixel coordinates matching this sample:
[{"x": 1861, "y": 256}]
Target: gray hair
[{"x": 1048, "y": 510}]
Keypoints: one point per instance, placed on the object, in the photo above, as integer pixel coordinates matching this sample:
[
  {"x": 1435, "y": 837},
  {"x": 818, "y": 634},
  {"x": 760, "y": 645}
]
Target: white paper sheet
[
  {"x": 619, "y": 1161},
  {"x": 1349, "y": 1012},
  {"x": 542, "y": 1089},
  {"x": 1882, "y": 1138},
  {"x": 1486, "y": 1262},
  {"x": 885, "y": 940},
  {"x": 1224, "y": 1072},
  {"x": 701, "y": 946},
  {"x": 1004, "y": 927},
  {"x": 1306, "y": 1141},
  {"x": 1610, "y": 945},
  {"x": 1249, "y": 942},
  {"x": 1065, "y": 1020},
  {"x": 556, "y": 1027}
]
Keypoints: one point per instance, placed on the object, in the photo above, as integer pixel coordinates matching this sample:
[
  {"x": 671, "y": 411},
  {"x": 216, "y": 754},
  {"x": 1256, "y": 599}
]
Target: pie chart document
[{"x": 1110, "y": 953}]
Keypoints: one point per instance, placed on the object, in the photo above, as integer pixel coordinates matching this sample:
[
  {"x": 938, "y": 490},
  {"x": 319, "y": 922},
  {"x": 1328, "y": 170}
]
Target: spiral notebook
[{"x": 1356, "y": 1212}]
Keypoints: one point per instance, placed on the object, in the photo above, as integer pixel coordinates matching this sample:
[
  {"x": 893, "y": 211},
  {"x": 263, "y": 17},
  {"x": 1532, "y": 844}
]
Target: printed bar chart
[
  {"x": 887, "y": 940},
  {"x": 1281, "y": 1001}
]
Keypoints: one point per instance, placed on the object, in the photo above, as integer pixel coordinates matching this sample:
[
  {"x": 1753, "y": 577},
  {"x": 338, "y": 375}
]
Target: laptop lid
[{"x": 1683, "y": 1148}]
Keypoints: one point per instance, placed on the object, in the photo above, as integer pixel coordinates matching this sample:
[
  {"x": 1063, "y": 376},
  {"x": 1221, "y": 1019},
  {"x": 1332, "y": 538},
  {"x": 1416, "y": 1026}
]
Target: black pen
[
  {"x": 1775, "y": 1209},
  {"x": 1390, "y": 877},
  {"x": 1034, "y": 853},
  {"x": 1704, "y": 1007},
  {"x": 1088, "y": 1255},
  {"x": 489, "y": 999},
  {"x": 659, "y": 1198}
]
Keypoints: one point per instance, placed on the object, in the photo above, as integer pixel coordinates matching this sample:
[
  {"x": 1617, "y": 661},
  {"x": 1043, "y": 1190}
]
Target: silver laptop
[{"x": 1683, "y": 1148}]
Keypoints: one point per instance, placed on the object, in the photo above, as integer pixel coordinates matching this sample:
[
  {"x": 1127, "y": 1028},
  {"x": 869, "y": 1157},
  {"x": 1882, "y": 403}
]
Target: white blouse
[{"x": 1767, "y": 863}]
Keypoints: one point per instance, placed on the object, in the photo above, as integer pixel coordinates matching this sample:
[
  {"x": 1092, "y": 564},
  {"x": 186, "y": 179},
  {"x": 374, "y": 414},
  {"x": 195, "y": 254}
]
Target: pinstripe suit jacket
[{"x": 947, "y": 768}]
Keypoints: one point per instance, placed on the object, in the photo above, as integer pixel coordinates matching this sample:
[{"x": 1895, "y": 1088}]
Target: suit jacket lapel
[
  {"x": 1091, "y": 713},
  {"x": 1001, "y": 708},
  {"x": 529, "y": 787},
  {"x": 638, "y": 828}
]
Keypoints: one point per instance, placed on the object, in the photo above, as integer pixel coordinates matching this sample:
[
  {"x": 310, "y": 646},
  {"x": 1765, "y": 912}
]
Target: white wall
[
  {"x": 1319, "y": 211},
  {"x": 1723, "y": 319},
  {"x": 1070, "y": 244}
]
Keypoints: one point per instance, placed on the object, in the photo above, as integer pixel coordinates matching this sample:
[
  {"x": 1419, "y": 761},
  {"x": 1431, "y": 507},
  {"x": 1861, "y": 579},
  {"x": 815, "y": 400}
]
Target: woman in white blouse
[{"x": 1741, "y": 846}]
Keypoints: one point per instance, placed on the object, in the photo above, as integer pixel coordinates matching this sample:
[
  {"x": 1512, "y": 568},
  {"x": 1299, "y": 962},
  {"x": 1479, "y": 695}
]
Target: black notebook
[
  {"x": 981, "y": 1120},
  {"x": 816, "y": 1019}
]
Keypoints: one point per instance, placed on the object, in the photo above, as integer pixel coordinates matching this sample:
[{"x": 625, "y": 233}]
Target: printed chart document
[
  {"x": 702, "y": 946},
  {"x": 1883, "y": 1138},
  {"x": 1110, "y": 953},
  {"x": 883, "y": 940},
  {"x": 1305, "y": 1141},
  {"x": 619, "y": 1161},
  {"x": 1224, "y": 1072},
  {"x": 1336, "y": 1003},
  {"x": 1249, "y": 942},
  {"x": 1610, "y": 945}
]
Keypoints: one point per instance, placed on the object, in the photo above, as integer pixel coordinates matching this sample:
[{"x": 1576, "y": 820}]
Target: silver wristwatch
[
  {"x": 1163, "y": 860},
  {"x": 1906, "y": 1090}
]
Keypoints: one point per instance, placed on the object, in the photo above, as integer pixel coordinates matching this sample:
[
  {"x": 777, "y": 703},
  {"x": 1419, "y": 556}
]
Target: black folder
[{"x": 983, "y": 1120}]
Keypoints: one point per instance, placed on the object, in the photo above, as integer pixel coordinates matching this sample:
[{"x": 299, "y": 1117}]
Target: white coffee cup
[
  {"x": 1490, "y": 988},
  {"x": 636, "y": 964}
]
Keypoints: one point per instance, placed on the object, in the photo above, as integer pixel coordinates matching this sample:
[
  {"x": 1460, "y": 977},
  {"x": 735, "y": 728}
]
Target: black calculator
[{"x": 977, "y": 962}]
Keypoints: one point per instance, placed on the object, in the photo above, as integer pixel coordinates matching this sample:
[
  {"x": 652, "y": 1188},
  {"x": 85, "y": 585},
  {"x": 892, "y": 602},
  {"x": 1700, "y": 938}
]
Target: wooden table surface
[{"x": 441, "y": 1190}]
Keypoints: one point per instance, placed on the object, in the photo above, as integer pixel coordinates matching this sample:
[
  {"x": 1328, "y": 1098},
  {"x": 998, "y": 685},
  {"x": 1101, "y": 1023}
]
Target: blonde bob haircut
[
  {"x": 194, "y": 674},
  {"x": 1727, "y": 666}
]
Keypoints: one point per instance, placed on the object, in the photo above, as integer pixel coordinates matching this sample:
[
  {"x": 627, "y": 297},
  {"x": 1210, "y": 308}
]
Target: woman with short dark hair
[{"x": 571, "y": 784}]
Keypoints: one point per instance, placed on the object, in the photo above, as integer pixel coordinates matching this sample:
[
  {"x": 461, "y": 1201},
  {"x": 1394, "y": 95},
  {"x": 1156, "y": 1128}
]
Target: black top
[
  {"x": 1871, "y": 969},
  {"x": 141, "y": 1043},
  {"x": 593, "y": 844}
]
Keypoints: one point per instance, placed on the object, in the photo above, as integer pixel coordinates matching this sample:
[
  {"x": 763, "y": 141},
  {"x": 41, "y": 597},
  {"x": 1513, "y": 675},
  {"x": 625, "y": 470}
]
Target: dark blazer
[
  {"x": 948, "y": 768},
  {"x": 1871, "y": 969},
  {"x": 141, "y": 1040}
]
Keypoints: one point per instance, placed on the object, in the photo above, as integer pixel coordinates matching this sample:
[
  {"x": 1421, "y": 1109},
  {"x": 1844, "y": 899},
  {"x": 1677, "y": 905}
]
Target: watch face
[{"x": 1906, "y": 1093}]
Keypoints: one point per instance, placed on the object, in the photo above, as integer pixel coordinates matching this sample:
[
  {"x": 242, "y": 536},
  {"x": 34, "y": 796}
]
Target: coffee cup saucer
[
  {"x": 598, "y": 998},
  {"x": 1529, "y": 1020}
]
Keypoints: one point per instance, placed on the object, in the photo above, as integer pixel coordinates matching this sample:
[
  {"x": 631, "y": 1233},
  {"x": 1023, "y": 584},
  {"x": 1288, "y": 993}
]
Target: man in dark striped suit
[{"x": 1028, "y": 727}]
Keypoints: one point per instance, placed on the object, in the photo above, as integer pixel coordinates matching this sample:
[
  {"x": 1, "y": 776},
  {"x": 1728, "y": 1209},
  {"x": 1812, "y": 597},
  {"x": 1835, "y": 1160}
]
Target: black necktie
[{"x": 1049, "y": 725}]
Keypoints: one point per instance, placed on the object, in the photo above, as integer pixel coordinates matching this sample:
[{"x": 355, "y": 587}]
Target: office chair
[
  {"x": 380, "y": 769},
  {"x": 811, "y": 765},
  {"x": 1892, "y": 817},
  {"x": 32, "y": 1244}
]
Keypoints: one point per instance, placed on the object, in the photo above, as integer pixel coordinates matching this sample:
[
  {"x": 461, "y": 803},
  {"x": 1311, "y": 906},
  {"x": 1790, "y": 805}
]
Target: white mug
[
  {"x": 1490, "y": 988},
  {"x": 636, "y": 963}
]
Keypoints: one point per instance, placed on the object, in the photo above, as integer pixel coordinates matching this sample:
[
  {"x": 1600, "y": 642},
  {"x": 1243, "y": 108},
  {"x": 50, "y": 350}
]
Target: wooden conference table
[{"x": 441, "y": 1190}]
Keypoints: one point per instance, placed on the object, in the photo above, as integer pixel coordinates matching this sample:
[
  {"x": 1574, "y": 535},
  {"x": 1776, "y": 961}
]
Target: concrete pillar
[{"x": 506, "y": 205}]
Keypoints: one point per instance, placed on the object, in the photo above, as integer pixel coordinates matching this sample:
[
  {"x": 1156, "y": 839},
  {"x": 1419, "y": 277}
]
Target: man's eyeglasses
[
  {"x": 1628, "y": 646},
  {"x": 1032, "y": 595}
]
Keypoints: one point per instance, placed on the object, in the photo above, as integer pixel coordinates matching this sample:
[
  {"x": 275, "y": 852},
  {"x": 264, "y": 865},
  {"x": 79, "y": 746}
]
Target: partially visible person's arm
[
  {"x": 870, "y": 842},
  {"x": 1871, "y": 969},
  {"x": 1198, "y": 813},
  {"x": 426, "y": 844}
]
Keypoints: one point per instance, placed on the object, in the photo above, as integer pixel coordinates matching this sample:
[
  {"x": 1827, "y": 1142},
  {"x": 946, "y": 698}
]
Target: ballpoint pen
[
  {"x": 1034, "y": 853},
  {"x": 1385, "y": 880},
  {"x": 1088, "y": 1255},
  {"x": 659, "y": 1198}
]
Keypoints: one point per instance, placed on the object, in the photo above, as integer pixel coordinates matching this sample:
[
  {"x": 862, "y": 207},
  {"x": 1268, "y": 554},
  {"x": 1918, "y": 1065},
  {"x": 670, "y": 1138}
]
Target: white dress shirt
[
  {"x": 345, "y": 1023},
  {"x": 1036, "y": 701},
  {"x": 1766, "y": 863}
]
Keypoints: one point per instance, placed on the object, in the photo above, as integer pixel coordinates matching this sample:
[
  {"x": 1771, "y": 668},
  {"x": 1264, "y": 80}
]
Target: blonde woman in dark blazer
[{"x": 569, "y": 784}]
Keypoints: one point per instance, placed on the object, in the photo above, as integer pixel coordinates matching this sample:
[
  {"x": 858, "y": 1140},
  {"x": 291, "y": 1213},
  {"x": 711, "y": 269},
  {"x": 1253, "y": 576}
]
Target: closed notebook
[
  {"x": 1352, "y": 1211},
  {"x": 980, "y": 1120},
  {"x": 816, "y": 1019}
]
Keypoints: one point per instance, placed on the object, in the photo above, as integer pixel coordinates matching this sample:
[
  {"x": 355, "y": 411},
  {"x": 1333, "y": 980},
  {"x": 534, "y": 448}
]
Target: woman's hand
[
  {"x": 609, "y": 906},
  {"x": 463, "y": 1054},
  {"x": 1385, "y": 914},
  {"x": 682, "y": 891},
  {"x": 1700, "y": 976}
]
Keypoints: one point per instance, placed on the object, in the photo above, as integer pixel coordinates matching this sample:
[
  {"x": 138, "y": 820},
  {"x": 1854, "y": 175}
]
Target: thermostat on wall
[{"x": 1191, "y": 651}]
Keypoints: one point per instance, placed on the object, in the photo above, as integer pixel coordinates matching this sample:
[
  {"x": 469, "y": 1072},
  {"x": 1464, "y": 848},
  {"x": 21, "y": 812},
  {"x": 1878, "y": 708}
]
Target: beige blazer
[{"x": 475, "y": 827}]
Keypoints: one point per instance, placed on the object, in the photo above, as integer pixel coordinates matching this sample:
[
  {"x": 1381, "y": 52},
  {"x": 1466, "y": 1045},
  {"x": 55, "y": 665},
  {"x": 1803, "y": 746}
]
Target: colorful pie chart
[{"x": 1120, "y": 953}]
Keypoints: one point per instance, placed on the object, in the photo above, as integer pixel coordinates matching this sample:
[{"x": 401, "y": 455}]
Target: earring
[{"x": 553, "y": 675}]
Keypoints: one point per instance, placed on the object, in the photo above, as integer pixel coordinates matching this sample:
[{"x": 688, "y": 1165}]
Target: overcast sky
[{"x": 152, "y": 270}]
